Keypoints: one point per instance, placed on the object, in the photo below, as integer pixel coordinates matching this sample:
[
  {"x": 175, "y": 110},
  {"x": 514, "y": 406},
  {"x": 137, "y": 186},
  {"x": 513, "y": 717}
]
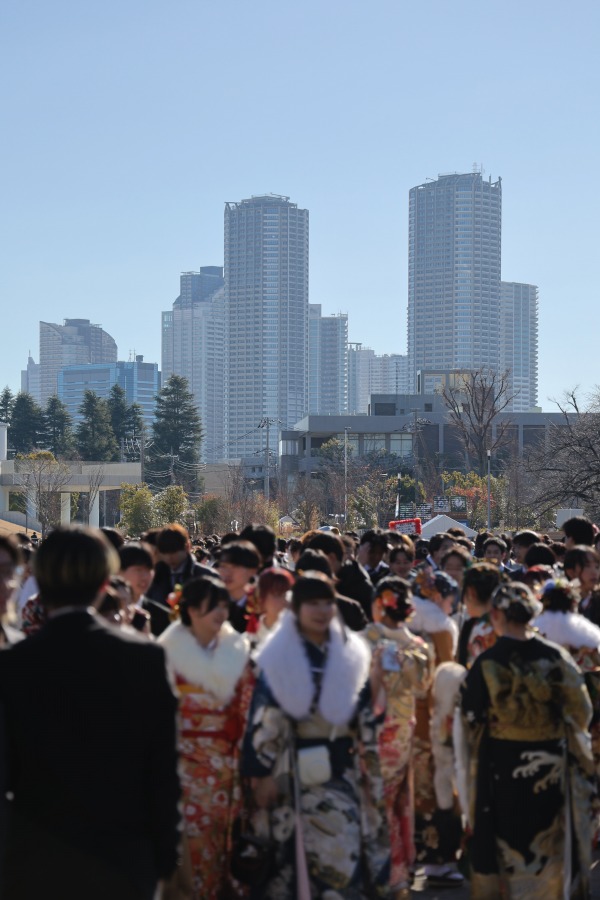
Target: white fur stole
[
  {"x": 446, "y": 686},
  {"x": 568, "y": 629},
  {"x": 216, "y": 670},
  {"x": 286, "y": 667}
]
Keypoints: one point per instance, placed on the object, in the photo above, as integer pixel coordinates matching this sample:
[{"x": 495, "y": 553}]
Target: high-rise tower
[
  {"x": 76, "y": 342},
  {"x": 193, "y": 346},
  {"x": 328, "y": 362},
  {"x": 266, "y": 299},
  {"x": 519, "y": 343},
  {"x": 454, "y": 259}
]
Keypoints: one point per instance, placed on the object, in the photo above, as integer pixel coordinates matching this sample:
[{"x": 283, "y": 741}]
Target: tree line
[{"x": 111, "y": 429}]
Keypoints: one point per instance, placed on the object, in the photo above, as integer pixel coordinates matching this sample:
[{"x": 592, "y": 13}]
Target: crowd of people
[{"x": 324, "y": 717}]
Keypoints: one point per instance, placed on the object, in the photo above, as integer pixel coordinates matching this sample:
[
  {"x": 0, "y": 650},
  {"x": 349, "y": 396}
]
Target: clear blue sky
[{"x": 126, "y": 125}]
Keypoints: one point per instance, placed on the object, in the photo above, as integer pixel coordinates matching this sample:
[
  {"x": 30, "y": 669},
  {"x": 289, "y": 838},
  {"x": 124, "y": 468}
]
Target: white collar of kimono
[
  {"x": 284, "y": 662},
  {"x": 216, "y": 670}
]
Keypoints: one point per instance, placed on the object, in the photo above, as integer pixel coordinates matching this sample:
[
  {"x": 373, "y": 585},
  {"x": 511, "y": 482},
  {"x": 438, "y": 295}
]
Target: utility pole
[
  {"x": 489, "y": 490},
  {"x": 267, "y": 462},
  {"x": 266, "y": 423},
  {"x": 346, "y": 430},
  {"x": 415, "y": 449}
]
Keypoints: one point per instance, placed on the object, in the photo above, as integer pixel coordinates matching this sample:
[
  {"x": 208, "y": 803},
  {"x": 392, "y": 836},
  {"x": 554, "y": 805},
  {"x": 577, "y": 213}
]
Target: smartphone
[
  {"x": 389, "y": 658},
  {"x": 139, "y": 619}
]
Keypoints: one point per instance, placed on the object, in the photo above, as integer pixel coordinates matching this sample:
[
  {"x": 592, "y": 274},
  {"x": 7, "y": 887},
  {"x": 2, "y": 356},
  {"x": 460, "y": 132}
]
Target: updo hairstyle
[{"x": 396, "y": 596}]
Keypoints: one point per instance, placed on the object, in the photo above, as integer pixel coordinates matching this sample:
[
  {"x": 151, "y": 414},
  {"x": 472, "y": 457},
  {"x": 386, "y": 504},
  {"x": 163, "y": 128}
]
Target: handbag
[
  {"x": 314, "y": 765},
  {"x": 252, "y": 855}
]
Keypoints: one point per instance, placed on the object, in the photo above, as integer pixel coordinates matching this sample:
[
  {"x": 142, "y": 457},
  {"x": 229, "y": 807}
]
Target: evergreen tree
[
  {"x": 125, "y": 418},
  {"x": 94, "y": 435},
  {"x": 177, "y": 433},
  {"x": 58, "y": 432},
  {"x": 26, "y": 424},
  {"x": 118, "y": 410},
  {"x": 7, "y": 400}
]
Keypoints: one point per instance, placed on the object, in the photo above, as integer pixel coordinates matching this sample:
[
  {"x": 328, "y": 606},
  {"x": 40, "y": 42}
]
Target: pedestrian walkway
[{"x": 423, "y": 893}]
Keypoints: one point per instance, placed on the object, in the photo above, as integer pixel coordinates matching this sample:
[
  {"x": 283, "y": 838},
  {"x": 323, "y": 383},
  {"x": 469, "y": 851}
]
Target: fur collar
[
  {"x": 286, "y": 667},
  {"x": 218, "y": 670},
  {"x": 568, "y": 629},
  {"x": 428, "y": 618}
]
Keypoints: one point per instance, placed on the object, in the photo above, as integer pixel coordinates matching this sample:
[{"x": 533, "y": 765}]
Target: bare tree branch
[{"x": 473, "y": 406}]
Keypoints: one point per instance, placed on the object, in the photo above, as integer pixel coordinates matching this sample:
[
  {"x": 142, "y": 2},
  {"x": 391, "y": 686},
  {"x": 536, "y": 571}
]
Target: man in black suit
[
  {"x": 177, "y": 566},
  {"x": 237, "y": 566},
  {"x": 90, "y": 743}
]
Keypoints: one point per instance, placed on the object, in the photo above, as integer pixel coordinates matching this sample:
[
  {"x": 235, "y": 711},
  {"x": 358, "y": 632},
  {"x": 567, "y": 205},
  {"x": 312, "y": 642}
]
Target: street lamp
[{"x": 489, "y": 490}]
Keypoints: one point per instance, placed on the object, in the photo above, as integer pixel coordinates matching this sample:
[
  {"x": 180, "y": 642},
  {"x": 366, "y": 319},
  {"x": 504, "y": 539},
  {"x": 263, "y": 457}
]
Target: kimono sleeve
[
  {"x": 475, "y": 699},
  {"x": 266, "y": 735}
]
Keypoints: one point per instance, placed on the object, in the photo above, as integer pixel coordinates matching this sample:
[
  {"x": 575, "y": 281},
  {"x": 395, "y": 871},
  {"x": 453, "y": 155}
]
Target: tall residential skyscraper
[
  {"x": 359, "y": 377},
  {"x": 193, "y": 346},
  {"x": 519, "y": 342},
  {"x": 454, "y": 274},
  {"x": 373, "y": 374},
  {"x": 327, "y": 362},
  {"x": 30, "y": 379},
  {"x": 389, "y": 374},
  {"x": 76, "y": 342},
  {"x": 266, "y": 297}
]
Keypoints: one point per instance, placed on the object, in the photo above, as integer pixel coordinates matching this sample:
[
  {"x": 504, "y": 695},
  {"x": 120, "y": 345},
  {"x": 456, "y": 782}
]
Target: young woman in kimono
[
  {"x": 407, "y": 671},
  {"x": 210, "y": 662},
  {"x": 311, "y": 752},
  {"x": 477, "y": 633},
  {"x": 437, "y": 830},
  {"x": 562, "y": 624},
  {"x": 527, "y": 773}
]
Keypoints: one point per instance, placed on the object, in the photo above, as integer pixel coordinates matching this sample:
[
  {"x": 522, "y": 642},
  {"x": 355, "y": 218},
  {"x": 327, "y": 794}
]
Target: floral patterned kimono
[
  {"x": 478, "y": 635},
  {"x": 528, "y": 770},
  {"x": 396, "y": 740},
  {"x": 214, "y": 687},
  {"x": 344, "y": 827}
]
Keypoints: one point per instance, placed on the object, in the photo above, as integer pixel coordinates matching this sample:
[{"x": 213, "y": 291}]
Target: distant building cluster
[{"x": 256, "y": 352}]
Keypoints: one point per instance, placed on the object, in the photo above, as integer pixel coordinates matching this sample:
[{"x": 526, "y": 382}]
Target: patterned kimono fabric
[
  {"x": 344, "y": 823},
  {"x": 582, "y": 639},
  {"x": 437, "y": 831},
  {"x": 528, "y": 773},
  {"x": 215, "y": 688},
  {"x": 396, "y": 741}
]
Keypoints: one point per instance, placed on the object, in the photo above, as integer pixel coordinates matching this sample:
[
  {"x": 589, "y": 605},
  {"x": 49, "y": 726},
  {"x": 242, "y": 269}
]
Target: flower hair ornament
[
  {"x": 560, "y": 593},
  {"x": 424, "y": 583},
  {"x": 174, "y": 601},
  {"x": 513, "y": 595},
  {"x": 391, "y": 600}
]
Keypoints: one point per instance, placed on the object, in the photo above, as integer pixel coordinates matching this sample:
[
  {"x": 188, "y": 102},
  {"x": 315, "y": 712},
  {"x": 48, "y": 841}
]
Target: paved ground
[{"x": 463, "y": 893}]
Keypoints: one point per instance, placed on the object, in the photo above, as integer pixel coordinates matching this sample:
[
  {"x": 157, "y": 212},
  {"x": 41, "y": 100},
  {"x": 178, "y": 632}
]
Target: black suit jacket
[
  {"x": 155, "y": 601},
  {"x": 90, "y": 734}
]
